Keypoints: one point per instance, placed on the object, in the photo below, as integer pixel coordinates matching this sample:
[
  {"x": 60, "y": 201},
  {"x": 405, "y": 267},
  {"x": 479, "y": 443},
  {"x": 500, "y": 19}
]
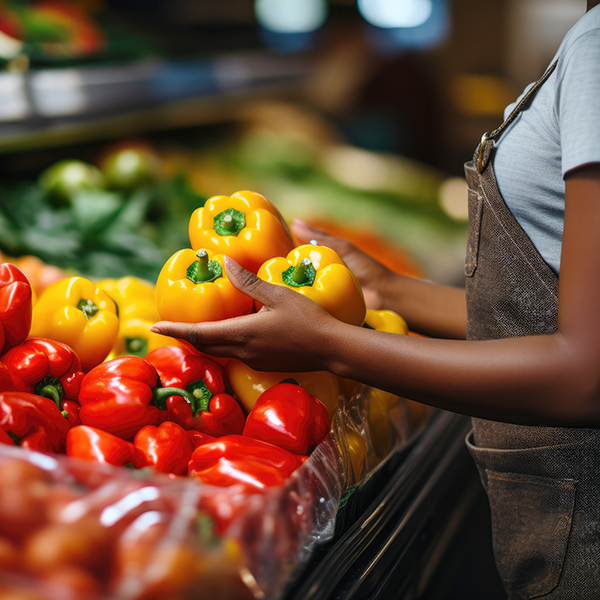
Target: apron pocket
[
  {"x": 473, "y": 231},
  {"x": 531, "y": 524}
]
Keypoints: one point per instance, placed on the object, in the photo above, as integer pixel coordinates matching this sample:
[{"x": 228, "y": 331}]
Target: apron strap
[{"x": 491, "y": 136}]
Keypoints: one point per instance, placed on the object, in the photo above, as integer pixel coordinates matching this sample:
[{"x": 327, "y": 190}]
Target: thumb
[
  {"x": 172, "y": 329},
  {"x": 248, "y": 283}
]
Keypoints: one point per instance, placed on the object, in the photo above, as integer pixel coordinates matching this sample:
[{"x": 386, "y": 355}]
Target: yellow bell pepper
[
  {"x": 136, "y": 339},
  {"x": 193, "y": 287},
  {"x": 320, "y": 274},
  {"x": 352, "y": 446},
  {"x": 357, "y": 449},
  {"x": 380, "y": 401},
  {"x": 133, "y": 297},
  {"x": 245, "y": 226},
  {"x": 380, "y": 424},
  {"x": 386, "y": 320},
  {"x": 137, "y": 314},
  {"x": 76, "y": 312},
  {"x": 247, "y": 384}
]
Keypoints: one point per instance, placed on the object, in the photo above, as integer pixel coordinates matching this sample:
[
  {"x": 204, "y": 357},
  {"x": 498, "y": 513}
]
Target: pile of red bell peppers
[{"x": 171, "y": 410}]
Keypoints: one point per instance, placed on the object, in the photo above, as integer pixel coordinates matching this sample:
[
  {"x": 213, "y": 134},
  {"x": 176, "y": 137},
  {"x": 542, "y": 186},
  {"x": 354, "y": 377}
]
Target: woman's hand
[
  {"x": 431, "y": 309},
  {"x": 371, "y": 274},
  {"x": 289, "y": 333}
]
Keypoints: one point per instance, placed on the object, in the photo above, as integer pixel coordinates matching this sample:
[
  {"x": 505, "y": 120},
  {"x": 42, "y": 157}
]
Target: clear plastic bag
[
  {"x": 370, "y": 425},
  {"x": 77, "y": 529}
]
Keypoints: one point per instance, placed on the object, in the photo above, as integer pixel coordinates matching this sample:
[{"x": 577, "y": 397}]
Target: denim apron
[{"x": 543, "y": 483}]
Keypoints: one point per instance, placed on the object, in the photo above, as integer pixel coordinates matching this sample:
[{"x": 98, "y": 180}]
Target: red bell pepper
[
  {"x": 206, "y": 407},
  {"x": 89, "y": 443},
  {"x": 198, "y": 438},
  {"x": 287, "y": 416},
  {"x": 6, "y": 381},
  {"x": 168, "y": 447},
  {"x": 117, "y": 396},
  {"x": 47, "y": 368},
  {"x": 15, "y": 307},
  {"x": 70, "y": 410},
  {"x": 236, "y": 459},
  {"x": 5, "y": 438},
  {"x": 32, "y": 422}
]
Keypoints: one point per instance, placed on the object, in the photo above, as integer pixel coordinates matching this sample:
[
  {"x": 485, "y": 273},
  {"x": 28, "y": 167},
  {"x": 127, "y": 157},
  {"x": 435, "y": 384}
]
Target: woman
[{"x": 517, "y": 351}]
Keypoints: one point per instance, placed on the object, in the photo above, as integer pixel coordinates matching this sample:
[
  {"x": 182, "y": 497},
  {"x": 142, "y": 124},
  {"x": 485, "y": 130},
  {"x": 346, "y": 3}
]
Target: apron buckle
[{"x": 482, "y": 145}]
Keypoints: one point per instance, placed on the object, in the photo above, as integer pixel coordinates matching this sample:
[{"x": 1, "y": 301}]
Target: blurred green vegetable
[
  {"x": 130, "y": 167},
  {"x": 70, "y": 219},
  {"x": 66, "y": 178}
]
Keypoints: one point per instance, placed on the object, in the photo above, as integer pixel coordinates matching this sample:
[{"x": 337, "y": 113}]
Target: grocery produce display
[
  {"x": 134, "y": 466},
  {"x": 83, "y": 220},
  {"x": 62, "y": 33}
]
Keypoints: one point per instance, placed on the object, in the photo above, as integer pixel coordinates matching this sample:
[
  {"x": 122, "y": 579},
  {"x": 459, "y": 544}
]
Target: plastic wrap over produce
[
  {"x": 73, "y": 529},
  {"x": 370, "y": 426}
]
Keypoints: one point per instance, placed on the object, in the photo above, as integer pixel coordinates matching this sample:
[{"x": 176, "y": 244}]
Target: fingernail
[
  {"x": 297, "y": 221},
  {"x": 230, "y": 264}
]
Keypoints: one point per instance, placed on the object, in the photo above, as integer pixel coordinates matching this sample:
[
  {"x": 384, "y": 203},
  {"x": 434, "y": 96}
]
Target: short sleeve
[{"x": 578, "y": 102}]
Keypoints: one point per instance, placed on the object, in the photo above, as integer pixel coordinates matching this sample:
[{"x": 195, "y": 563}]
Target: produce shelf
[
  {"x": 51, "y": 107},
  {"x": 397, "y": 546}
]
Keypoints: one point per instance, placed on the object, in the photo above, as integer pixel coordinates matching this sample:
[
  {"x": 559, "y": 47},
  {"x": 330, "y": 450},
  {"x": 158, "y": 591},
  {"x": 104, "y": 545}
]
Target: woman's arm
[
  {"x": 543, "y": 380},
  {"x": 553, "y": 379}
]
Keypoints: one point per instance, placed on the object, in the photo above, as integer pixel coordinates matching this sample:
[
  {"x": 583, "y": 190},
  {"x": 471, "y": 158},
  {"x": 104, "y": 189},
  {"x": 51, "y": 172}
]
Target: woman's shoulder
[{"x": 585, "y": 33}]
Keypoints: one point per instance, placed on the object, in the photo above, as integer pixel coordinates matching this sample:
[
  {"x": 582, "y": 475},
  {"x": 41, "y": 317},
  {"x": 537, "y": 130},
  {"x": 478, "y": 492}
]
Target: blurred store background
[{"x": 356, "y": 115}]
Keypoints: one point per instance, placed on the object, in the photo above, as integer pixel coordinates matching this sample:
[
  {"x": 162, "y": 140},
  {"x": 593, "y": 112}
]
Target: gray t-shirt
[{"x": 558, "y": 132}]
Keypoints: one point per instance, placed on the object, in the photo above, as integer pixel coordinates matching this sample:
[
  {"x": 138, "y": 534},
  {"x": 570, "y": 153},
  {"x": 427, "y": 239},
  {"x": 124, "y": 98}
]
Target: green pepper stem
[
  {"x": 136, "y": 346},
  {"x": 51, "y": 388},
  {"x": 201, "y": 393},
  {"x": 16, "y": 439},
  {"x": 160, "y": 396},
  {"x": 88, "y": 308},
  {"x": 299, "y": 273},
  {"x": 204, "y": 270},
  {"x": 50, "y": 391},
  {"x": 197, "y": 395},
  {"x": 303, "y": 274},
  {"x": 228, "y": 223},
  {"x": 203, "y": 273}
]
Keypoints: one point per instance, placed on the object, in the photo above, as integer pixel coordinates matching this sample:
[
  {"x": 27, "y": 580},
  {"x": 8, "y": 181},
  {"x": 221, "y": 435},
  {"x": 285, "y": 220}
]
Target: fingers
[
  {"x": 305, "y": 233},
  {"x": 248, "y": 283}
]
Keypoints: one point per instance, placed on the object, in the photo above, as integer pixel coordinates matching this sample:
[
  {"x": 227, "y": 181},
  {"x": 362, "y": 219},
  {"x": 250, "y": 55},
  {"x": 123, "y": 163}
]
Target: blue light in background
[
  {"x": 395, "y": 13},
  {"x": 397, "y": 25},
  {"x": 290, "y": 25},
  {"x": 291, "y": 16}
]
